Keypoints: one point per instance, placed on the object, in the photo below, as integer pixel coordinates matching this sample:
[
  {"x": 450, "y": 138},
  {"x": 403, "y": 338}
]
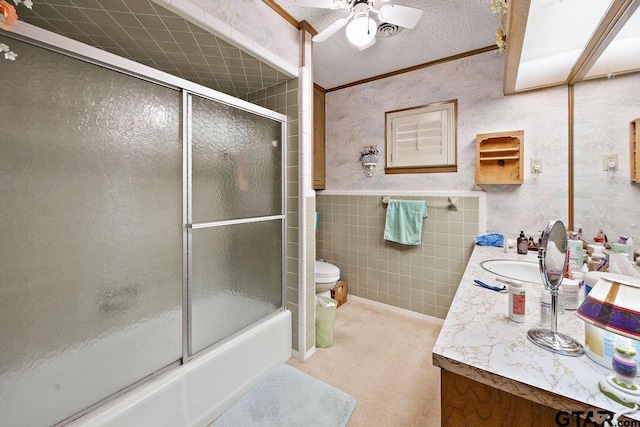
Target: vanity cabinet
[
  {"x": 493, "y": 375},
  {"x": 634, "y": 140},
  {"x": 466, "y": 402},
  {"x": 319, "y": 150},
  {"x": 500, "y": 157}
]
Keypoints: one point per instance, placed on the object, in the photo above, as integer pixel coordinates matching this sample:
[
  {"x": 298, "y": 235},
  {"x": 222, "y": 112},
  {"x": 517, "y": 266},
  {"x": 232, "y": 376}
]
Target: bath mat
[{"x": 289, "y": 397}]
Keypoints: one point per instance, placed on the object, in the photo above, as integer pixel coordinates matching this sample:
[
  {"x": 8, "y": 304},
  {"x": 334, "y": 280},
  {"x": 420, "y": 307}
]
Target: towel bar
[{"x": 451, "y": 205}]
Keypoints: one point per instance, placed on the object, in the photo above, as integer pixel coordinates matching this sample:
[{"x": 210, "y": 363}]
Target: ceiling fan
[{"x": 361, "y": 28}]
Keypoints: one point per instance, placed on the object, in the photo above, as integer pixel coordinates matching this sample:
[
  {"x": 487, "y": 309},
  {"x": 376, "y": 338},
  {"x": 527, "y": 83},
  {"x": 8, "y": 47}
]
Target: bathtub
[{"x": 195, "y": 393}]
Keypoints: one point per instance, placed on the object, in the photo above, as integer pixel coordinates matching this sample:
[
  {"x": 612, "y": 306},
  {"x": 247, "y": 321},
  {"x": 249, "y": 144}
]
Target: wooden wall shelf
[
  {"x": 500, "y": 157},
  {"x": 634, "y": 140}
]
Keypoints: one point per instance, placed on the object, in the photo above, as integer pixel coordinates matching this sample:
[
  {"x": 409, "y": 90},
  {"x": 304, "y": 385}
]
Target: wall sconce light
[
  {"x": 369, "y": 159},
  {"x": 369, "y": 169}
]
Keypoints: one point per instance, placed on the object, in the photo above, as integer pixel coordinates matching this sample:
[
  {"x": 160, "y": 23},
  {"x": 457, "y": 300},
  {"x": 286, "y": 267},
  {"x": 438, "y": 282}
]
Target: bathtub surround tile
[
  {"x": 419, "y": 278},
  {"x": 273, "y": 40},
  {"x": 180, "y": 38},
  {"x": 271, "y": 98}
]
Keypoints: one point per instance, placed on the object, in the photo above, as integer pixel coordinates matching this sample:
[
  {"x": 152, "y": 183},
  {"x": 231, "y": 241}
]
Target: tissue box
[{"x": 339, "y": 292}]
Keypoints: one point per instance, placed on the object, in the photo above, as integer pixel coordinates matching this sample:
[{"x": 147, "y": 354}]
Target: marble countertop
[{"x": 478, "y": 341}]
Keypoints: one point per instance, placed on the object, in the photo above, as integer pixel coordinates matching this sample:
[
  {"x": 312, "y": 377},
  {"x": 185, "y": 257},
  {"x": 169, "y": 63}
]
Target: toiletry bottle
[
  {"x": 577, "y": 254},
  {"x": 599, "y": 239},
  {"x": 631, "y": 242},
  {"x": 522, "y": 244},
  {"x": 570, "y": 290},
  {"x": 623, "y": 246},
  {"x": 567, "y": 267},
  {"x": 517, "y": 300},
  {"x": 545, "y": 308}
]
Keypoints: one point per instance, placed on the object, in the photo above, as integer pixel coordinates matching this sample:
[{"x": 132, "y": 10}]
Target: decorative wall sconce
[{"x": 369, "y": 158}]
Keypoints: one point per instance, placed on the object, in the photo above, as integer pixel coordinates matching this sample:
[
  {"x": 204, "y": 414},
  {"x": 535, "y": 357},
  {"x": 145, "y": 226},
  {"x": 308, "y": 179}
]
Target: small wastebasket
[{"x": 325, "y": 318}]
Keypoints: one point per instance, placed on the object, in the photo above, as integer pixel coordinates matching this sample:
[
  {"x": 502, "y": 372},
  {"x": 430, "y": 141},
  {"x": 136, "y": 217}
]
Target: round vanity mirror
[
  {"x": 552, "y": 256},
  {"x": 553, "y": 259}
]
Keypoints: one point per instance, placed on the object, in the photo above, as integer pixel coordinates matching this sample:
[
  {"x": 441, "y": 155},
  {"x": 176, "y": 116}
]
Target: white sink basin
[{"x": 526, "y": 271}]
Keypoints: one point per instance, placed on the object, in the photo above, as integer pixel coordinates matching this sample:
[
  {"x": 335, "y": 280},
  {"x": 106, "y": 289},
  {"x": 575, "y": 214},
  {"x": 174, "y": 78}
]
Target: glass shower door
[
  {"x": 90, "y": 238},
  {"x": 236, "y": 217},
  {"x": 92, "y": 253}
]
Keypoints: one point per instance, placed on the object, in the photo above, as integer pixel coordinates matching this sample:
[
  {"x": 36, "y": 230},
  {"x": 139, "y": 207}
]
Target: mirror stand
[
  {"x": 551, "y": 339},
  {"x": 552, "y": 256}
]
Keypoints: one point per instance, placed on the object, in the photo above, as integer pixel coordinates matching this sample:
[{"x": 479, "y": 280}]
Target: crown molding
[{"x": 417, "y": 67}]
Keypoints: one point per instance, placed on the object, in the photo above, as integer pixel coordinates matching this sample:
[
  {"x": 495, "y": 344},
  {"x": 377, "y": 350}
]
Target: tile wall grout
[{"x": 421, "y": 278}]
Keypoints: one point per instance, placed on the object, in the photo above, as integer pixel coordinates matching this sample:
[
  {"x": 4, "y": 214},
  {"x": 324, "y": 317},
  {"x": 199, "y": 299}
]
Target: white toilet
[{"x": 327, "y": 275}]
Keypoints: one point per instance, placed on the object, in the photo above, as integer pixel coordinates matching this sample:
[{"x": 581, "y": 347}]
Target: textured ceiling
[
  {"x": 447, "y": 28},
  {"x": 144, "y": 32}
]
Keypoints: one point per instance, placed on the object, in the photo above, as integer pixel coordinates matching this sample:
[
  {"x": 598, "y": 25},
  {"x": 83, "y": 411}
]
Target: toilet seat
[{"x": 326, "y": 273}]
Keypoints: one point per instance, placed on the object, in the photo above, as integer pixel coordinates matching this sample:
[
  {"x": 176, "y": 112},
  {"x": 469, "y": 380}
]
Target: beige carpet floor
[{"x": 383, "y": 359}]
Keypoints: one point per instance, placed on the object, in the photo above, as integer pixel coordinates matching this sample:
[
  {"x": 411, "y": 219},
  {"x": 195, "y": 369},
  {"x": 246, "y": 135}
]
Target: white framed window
[{"x": 422, "y": 139}]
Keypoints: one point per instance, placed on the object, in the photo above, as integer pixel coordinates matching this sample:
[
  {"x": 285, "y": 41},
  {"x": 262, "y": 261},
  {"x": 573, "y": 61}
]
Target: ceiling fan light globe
[{"x": 361, "y": 31}]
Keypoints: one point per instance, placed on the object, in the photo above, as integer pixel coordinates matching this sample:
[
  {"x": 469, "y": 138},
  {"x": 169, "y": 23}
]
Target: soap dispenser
[{"x": 522, "y": 244}]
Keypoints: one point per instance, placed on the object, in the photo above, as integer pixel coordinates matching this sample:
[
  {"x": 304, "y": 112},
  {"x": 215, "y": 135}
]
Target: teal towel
[{"x": 404, "y": 221}]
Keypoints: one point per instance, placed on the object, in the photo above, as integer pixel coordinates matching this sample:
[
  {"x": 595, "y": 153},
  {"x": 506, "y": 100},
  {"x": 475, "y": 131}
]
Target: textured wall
[
  {"x": 603, "y": 110},
  {"x": 273, "y": 34},
  {"x": 356, "y": 115}
]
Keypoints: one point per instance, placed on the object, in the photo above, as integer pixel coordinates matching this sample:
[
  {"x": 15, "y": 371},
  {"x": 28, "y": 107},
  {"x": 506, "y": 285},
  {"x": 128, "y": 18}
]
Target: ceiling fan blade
[
  {"x": 323, "y": 4},
  {"x": 330, "y": 30},
  {"x": 371, "y": 43},
  {"x": 403, "y": 16}
]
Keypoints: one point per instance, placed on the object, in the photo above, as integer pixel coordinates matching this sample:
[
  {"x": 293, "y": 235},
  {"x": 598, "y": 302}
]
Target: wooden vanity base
[{"x": 466, "y": 402}]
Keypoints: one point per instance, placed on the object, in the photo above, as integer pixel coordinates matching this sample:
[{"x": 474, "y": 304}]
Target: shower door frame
[
  {"x": 54, "y": 42},
  {"x": 187, "y": 210}
]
